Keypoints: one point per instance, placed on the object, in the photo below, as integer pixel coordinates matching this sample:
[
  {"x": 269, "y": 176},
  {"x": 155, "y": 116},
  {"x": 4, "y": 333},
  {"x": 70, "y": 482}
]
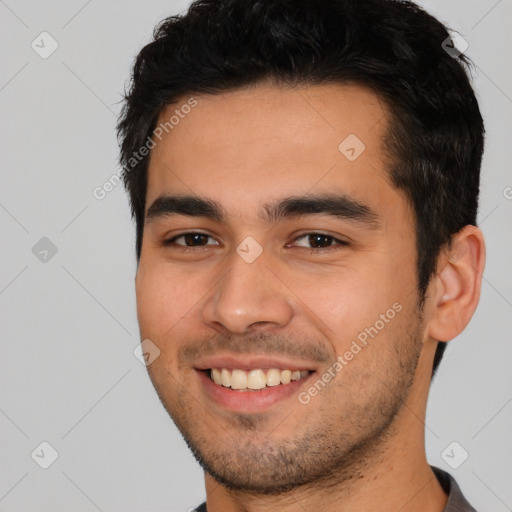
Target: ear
[{"x": 456, "y": 287}]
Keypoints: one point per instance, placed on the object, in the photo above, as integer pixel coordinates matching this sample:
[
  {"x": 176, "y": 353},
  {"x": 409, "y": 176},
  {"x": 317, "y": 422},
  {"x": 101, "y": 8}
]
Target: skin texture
[{"x": 359, "y": 443}]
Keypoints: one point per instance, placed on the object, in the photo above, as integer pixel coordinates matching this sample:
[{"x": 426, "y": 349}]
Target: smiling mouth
[{"x": 254, "y": 380}]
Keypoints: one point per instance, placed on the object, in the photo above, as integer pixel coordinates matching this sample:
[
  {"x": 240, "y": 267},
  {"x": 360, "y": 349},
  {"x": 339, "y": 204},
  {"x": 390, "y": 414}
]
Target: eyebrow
[{"x": 339, "y": 206}]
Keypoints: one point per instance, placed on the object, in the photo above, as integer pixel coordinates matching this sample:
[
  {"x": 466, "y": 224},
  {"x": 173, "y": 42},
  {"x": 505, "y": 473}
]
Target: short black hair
[{"x": 436, "y": 135}]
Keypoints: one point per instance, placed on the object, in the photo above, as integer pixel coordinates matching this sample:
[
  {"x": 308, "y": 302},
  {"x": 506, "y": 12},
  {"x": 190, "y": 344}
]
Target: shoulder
[
  {"x": 199, "y": 508},
  {"x": 456, "y": 500}
]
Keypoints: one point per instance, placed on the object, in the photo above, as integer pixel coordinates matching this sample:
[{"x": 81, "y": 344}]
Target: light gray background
[{"x": 68, "y": 373}]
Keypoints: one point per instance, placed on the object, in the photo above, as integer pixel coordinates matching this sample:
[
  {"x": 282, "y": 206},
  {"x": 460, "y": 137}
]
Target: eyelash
[{"x": 340, "y": 244}]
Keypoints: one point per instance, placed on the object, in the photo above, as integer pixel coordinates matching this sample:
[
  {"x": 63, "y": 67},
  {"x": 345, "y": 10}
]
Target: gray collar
[{"x": 456, "y": 501}]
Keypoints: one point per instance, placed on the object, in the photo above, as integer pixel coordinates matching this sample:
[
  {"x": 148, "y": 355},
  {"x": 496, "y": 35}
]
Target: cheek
[
  {"x": 163, "y": 299},
  {"x": 346, "y": 301},
  {"x": 358, "y": 305}
]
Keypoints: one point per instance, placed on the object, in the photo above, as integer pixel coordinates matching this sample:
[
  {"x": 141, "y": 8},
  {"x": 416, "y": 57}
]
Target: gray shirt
[{"x": 456, "y": 501}]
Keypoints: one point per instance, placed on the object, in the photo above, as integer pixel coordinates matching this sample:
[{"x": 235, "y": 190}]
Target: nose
[{"x": 249, "y": 297}]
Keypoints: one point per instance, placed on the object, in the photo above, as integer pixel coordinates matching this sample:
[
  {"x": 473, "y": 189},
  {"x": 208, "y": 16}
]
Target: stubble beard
[{"x": 338, "y": 444}]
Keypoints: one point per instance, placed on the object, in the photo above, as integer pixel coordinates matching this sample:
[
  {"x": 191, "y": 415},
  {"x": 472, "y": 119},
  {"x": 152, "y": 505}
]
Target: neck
[{"x": 387, "y": 486}]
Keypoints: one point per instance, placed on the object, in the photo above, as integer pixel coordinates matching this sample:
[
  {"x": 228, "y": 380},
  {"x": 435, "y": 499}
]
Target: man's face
[{"x": 272, "y": 276}]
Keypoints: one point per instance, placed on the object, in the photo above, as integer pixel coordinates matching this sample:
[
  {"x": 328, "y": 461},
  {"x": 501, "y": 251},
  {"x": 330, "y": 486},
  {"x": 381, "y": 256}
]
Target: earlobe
[{"x": 457, "y": 284}]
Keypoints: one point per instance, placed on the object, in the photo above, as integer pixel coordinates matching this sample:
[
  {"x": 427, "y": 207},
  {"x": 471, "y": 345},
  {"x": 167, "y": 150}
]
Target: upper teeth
[{"x": 254, "y": 379}]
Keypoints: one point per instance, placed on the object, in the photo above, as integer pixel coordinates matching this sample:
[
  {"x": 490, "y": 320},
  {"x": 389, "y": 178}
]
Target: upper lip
[{"x": 252, "y": 362}]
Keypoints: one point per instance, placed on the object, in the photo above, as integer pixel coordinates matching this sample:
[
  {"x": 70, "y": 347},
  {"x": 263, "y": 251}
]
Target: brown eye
[
  {"x": 319, "y": 241},
  {"x": 191, "y": 240}
]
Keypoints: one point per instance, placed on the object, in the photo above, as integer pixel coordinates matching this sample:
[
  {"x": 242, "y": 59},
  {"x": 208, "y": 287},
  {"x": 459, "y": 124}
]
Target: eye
[
  {"x": 191, "y": 240},
  {"x": 319, "y": 242}
]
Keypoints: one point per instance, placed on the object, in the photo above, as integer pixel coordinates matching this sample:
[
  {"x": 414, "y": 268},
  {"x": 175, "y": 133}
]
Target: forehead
[{"x": 266, "y": 141}]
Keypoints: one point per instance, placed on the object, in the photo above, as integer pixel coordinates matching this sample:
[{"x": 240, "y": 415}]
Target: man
[{"x": 304, "y": 178}]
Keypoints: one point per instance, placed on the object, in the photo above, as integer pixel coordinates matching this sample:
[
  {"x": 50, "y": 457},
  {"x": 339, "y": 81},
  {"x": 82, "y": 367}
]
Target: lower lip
[{"x": 249, "y": 401}]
